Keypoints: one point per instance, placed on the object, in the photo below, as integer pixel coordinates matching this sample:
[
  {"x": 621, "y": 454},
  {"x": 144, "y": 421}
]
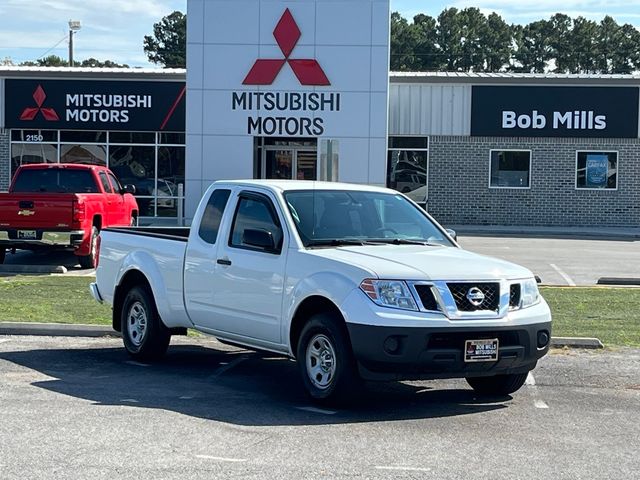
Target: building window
[
  {"x": 152, "y": 161},
  {"x": 407, "y": 167},
  {"x": 596, "y": 170},
  {"x": 510, "y": 169}
]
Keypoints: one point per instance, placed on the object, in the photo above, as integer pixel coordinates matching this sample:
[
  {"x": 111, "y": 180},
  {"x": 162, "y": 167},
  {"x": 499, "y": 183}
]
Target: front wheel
[
  {"x": 326, "y": 361},
  {"x": 145, "y": 336},
  {"x": 498, "y": 385}
]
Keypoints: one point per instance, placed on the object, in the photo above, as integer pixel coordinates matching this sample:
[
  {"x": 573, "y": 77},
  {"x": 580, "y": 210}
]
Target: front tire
[
  {"x": 89, "y": 261},
  {"x": 498, "y": 385},
  {"x": 144, "y": 335},
  {"x": 326, "y": 361}
]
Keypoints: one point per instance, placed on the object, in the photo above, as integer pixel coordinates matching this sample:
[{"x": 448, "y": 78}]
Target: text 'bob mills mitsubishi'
[{"x": 354, "y": 282}]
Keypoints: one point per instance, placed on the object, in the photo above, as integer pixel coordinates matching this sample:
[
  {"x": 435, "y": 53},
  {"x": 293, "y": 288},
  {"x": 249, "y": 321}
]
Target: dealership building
[{"x": 302, "y": 90}]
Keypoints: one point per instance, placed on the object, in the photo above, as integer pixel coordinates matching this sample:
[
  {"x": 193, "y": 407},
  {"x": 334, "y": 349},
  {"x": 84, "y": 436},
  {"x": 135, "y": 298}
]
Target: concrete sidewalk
[{"x": 611, "y": 233}]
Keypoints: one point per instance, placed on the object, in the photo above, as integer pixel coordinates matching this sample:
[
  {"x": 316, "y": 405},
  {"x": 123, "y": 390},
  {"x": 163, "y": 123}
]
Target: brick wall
[
  {"x": 459, "y": 190},
  {"x": 5, "y": 160}
]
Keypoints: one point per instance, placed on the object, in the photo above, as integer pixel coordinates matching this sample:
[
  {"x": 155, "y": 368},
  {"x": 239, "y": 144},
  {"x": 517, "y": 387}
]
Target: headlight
[
  {"x": 530, "y": 294},
  {"x": 389, "y": 293}
]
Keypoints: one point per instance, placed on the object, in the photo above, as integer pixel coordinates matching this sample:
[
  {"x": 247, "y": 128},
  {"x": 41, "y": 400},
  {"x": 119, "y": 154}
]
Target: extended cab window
[
  {"x": 116, "y": 184},
  {"x": 57, "y": 180},
  {"x": 255, "y": 213},
  {"x": 210, "y": 223},
  {"x": 105, "y": 182}
]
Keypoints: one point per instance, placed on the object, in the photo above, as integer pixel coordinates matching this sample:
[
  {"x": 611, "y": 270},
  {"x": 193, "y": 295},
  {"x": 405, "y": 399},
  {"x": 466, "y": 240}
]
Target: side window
[
  {"x": 210, "y": 223},
  {"x": 114, "y": 181},
  {"x": 255, "y": 213},
  {"x": 105, "y": 182}
]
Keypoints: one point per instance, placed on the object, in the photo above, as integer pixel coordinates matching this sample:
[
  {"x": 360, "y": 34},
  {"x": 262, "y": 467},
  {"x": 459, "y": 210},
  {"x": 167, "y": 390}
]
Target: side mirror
[
  {"x": 452, "y": 233},
  {"x": 129, "y": 189},
  {"x": 262, "y": 239}
]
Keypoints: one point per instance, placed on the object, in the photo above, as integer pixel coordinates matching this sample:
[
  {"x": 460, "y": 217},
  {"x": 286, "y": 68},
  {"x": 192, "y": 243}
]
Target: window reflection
[{"x": 407, "y": 173}]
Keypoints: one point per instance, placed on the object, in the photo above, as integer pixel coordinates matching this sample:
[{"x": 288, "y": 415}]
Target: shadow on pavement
[
  {"x": 50, "y": 258},
  {"x": 256, "y": 390}
]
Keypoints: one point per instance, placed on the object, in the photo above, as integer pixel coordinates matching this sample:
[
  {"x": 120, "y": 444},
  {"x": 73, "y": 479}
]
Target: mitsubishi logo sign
[
  {"x": 265, "y": 71},
  {"x": 30, "y": 113}
]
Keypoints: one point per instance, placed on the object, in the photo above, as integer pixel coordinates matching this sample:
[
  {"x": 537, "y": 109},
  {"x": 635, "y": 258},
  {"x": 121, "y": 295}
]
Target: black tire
[
  {"x": 3, "y": 255},
  {"x": 498, "y": 385},
  {"x": 134, "y": 221},
  {"x": 341, "y": 384},
  {"x": 89, "y": 261},
  {"x": 151, "y": 341}
]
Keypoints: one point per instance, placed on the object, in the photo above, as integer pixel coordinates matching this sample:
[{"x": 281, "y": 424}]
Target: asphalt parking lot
[
  {"x": 79, "y": 408},
  {"x": 557, "y": 261}
]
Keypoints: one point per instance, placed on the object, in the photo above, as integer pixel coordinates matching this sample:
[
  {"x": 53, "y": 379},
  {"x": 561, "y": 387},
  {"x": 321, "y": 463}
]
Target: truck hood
[{"x": 417, "y": 262}]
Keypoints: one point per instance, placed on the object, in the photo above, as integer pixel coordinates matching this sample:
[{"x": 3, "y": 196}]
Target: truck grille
[
  {"x": 426, "y": 297},
  {"x": 462, "y": 291},
  {"x": 514, "y": 295}
]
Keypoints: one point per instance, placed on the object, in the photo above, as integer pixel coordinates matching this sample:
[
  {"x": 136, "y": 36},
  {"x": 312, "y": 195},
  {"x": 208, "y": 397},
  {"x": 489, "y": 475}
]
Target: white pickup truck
[{"x": 354, "y": 282}]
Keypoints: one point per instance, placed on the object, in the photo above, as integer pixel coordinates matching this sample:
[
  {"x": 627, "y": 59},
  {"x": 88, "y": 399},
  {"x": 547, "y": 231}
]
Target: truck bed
[{"x": 180, "y": 234}]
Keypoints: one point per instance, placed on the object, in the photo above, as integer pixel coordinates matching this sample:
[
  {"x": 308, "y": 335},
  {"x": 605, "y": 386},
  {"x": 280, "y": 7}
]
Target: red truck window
[
  {"x": 55, "y": 180},
  {"x": 105, "y": 182}
]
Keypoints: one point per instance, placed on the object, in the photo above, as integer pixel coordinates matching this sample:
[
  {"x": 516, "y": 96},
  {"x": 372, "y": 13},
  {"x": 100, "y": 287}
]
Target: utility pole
[{"x": 74, "y": 26}]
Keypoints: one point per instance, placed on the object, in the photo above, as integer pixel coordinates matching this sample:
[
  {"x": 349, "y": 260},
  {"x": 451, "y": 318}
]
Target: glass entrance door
[{"x": 290, "y": 163}]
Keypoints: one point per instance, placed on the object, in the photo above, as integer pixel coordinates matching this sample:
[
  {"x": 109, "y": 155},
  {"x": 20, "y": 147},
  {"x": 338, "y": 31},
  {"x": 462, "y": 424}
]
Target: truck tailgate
[{"x": 36, "y": 210}]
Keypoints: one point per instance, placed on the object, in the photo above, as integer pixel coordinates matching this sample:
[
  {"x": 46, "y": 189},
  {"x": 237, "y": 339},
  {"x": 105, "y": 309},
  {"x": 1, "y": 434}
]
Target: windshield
[{"x": 331, "y": 217}]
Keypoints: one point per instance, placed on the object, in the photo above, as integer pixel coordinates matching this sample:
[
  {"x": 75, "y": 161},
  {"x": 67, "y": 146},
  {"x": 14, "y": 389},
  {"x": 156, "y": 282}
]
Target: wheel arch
[
  {"x": 310, "y": 306},
  {"x": 129, "y": 280}
]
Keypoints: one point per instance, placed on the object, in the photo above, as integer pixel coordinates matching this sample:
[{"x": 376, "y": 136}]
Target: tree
[
  {"x": 450, "y": 39},
  {"x": 583, "y": 40},
  {"x": 50, "y": 61},
  {"x": 425, "y": 31},
  {"x": 533, "y": 49},
  {"x": 403, "y": 44},
  {"x": 473, "y": 26},
  {"x": 92, "y": 62},
  {"x": 497, "y": 43},
  {"x": 168, "y": 45}
]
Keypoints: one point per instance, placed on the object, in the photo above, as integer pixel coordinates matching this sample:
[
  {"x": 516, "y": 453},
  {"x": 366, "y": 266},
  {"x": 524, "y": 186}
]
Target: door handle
[{"x": 223, "y": 261}]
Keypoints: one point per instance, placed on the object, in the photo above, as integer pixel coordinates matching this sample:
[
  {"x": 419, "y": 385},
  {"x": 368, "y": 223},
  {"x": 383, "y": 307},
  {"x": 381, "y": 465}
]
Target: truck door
[
  {"x": 111, "y": 210},
  {"x": 246, "y": 277}
]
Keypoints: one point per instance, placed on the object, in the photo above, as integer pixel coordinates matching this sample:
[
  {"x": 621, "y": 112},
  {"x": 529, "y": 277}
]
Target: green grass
[
  {"x": 50, "y": 299},
  {"x": 610, "y": 314}
]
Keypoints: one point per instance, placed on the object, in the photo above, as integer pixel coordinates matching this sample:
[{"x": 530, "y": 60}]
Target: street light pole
[{"x": 74, "y": 26}]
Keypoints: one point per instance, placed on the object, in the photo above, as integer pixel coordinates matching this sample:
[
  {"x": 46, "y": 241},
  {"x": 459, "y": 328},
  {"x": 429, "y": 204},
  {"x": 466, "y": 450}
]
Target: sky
[{"x": 114, "y": 29}]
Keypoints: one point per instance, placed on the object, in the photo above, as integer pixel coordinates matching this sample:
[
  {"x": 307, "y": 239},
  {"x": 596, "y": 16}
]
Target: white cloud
[{"x": 111, "y": 29}]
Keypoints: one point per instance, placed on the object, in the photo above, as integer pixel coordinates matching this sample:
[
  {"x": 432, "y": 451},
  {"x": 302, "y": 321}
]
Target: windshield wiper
[
  {"x": 406, "y": 241},
  {"x": 339, "y": 242}
]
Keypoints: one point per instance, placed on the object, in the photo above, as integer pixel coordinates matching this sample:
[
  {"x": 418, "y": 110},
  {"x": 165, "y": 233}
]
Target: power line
[{"x": 61, "y": 40}]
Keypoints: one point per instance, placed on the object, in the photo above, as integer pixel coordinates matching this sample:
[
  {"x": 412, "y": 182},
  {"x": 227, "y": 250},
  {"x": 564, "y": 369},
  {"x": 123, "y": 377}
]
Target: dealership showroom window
[{"x": 152, "y": 161}]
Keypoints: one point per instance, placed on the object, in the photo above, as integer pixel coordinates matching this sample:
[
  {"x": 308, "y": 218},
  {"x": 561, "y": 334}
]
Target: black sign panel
[
  {"x": 554, "y": 111},
  {"x": 95, "y": 105}
]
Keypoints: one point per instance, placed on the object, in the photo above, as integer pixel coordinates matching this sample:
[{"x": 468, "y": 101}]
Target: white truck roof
[{"x": 289, "y": 185}]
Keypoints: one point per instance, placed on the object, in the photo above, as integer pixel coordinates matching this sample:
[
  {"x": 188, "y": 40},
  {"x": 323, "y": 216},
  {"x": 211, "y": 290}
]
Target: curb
[
  {"x": 56, "y": 330},
  {"x": 32, "y": 269},
  {"x": 576, "y": 342},
  {"x": 618, "y": 281}
]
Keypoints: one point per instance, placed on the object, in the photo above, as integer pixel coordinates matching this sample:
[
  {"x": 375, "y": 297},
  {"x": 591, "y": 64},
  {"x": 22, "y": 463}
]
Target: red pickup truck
[{"x": 63, "y": 206}]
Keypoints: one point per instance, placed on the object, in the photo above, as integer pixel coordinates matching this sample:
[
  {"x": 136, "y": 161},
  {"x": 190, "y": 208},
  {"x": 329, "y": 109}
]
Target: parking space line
[
  {"x": 540, "y": 404},
  {"x": 228, "y": 367},
  {"x": 566, "y": 277},
  {"x": 129, "y": 400},
  {"x": 4, "y": 340},
  {"x": 317, "y": 410},
  {"x": 531, "y": 381},
  {"x": 221, "y": 459},
  {"x": 137, "y": 364},
  {"x": 400, "y": 467}
]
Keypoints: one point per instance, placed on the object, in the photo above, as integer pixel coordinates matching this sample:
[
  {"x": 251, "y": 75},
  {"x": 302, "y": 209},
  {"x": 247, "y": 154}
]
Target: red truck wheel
[{"x": 89, "y": 261}]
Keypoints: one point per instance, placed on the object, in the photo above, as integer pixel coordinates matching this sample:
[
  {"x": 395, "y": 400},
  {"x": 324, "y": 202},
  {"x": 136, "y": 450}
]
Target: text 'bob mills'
[{"x": 576, "y": 120}]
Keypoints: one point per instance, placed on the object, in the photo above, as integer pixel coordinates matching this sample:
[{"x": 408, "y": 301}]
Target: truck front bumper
[
  {"x": 43, "y": 239},
  {"x": 404, "y": 353},
  {"x": 391, "y": 344}
]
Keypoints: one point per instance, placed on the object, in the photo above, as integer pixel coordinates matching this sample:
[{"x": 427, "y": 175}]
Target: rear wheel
[
  {"x": 326, "y": 361},
  {"x": 134, "y": 221},
  {"x": 498, "y": 384},
  {"x": 89, "y": 261},
  {"x": 145, "y": 336}
]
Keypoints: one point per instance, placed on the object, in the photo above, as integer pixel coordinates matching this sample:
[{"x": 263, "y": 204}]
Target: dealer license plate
[
  {"x": 481, "y": 350},
  {"x": 27, "y": 234}
]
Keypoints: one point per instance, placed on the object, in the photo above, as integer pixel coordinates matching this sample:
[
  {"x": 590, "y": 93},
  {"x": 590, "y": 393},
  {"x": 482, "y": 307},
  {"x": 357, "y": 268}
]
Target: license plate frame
[
  {"x": 27, "y": 235},
  {"x": 489, "y": 351}
]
